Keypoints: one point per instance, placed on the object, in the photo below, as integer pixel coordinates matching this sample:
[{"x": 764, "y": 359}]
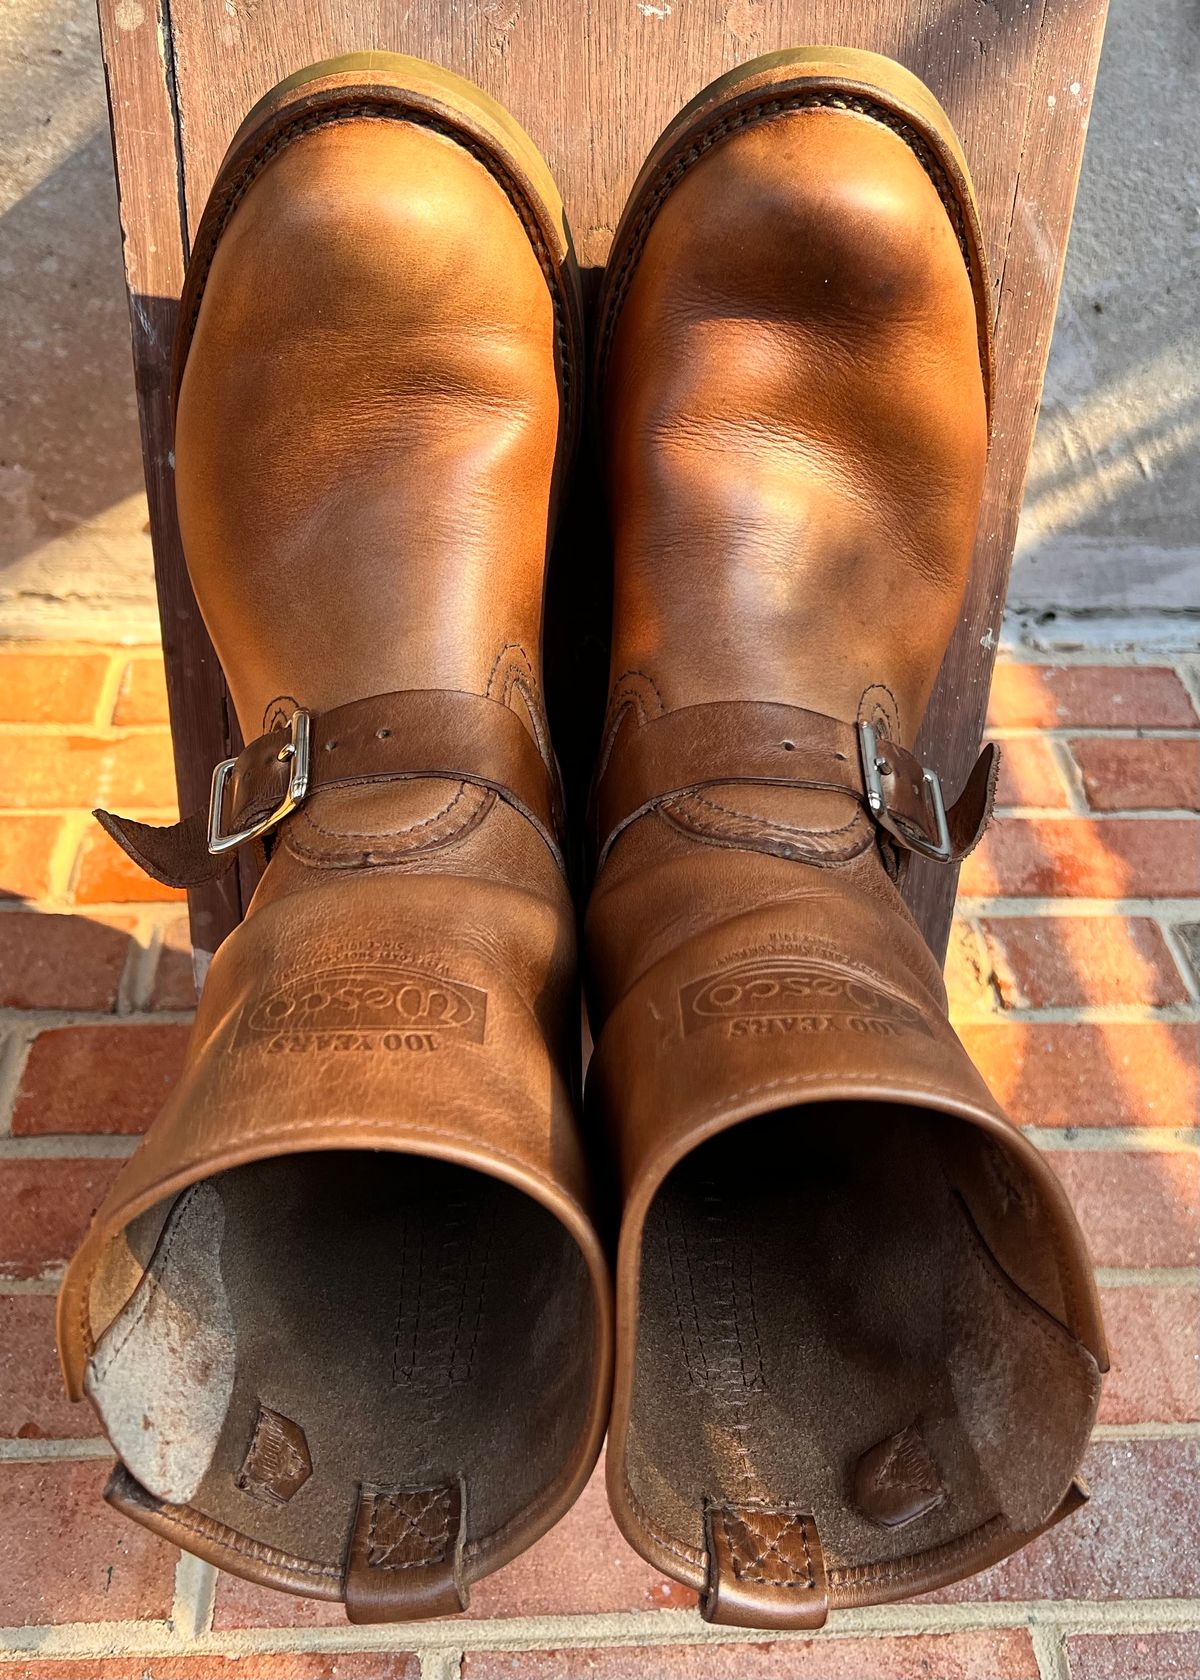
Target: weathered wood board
[{"x": 593, "y": 82}]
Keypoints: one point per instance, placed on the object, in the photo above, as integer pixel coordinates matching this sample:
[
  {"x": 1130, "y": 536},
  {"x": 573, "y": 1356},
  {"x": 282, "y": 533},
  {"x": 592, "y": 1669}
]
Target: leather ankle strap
[
  {"x": 412, "y": 734},
  {"x": 778, "y": 745}
]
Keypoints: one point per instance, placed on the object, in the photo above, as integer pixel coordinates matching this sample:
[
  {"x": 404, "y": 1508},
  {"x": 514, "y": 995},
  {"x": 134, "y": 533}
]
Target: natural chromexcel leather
[
  {"x": 858, "y": 1343},
  {"x": 344, "y": 1314}
]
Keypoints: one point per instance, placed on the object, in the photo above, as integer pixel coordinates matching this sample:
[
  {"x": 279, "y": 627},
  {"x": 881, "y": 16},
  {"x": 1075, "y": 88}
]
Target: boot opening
[
  {"x": 305, "y": 1325},
  {"x": 854, "y": 1310}
]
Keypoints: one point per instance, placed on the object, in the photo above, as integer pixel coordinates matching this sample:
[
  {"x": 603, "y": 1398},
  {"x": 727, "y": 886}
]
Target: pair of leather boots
[{"x": 346, "y": 1315}]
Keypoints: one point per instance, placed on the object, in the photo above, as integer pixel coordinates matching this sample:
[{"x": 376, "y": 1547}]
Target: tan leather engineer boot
[
  {"x": 858, "y": 1345},
  {"x": 344, "y": 1315}
]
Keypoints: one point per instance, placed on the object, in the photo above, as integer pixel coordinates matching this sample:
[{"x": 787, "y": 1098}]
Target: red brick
[
  {"x": 104, "y": 874},
  {"x": 1078, "y": 857},
  {"x": 1154, "y": 775},
  {"x": 584, "y": 1565},
  {"x": 240, "y": 1604},
  {"x": 174, "y": 978},
  {"x": 999, "y": 1654},
  {"x": 33, "y": 1406},
  {"x": 40, "y": 687},
  {"x": 98, "y": 1079},
  {"x": 45, "y": 1206},
  {"x": 1134, "y": 1656},
  {"x": 26, "y": 847},
  {"x": 1089, "y": 696},
  {"x": 1045, "y": 962},
  {"x": 142, "y": 695},
  {"x": 1152, "y": 1336},
  {"x": 61, "y": 962},
  {"x": 1136, "y": 1538},
  {"x": 1136, "y": 1209},
  {"x": 72, "y": 771},
  {"x": 1029, "y": 775},
  {"x": 290, "y": 1665},
  {"x": 1144, "y": 1073},
  {"x": 66, "y": 1557}
]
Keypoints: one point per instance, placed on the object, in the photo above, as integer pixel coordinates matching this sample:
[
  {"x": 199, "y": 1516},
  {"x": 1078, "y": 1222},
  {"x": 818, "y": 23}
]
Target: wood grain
[
  {"x": 594, "y": 82},
  {"x": 145, "y": 131}
]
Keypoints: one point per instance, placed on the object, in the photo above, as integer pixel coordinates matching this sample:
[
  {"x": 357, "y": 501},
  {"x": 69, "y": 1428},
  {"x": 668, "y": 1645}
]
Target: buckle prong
[
  {"x": 297, "y": 750},
  {"x": 873, "y": 764}
]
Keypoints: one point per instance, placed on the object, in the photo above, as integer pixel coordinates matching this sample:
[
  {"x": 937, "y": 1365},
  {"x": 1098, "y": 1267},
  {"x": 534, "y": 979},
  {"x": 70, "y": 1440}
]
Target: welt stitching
[
  {"x": 240, "y": 1543},
  {"x": 381, "y": 110},
  {"x": 768, "y": 110},
  {"x": 870, "y": 1575}
]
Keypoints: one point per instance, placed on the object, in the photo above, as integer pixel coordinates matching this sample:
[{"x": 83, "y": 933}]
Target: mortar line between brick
[
  {"x": 1050, "y": 1652},
  {"x": 1188, "y": 672},
  {"x": 1158, "y": 1140},
  {"x": 76, "y": 1147},
  {"x": 1072, "y": 779},
  {"x": 110, "y": 688},
  {"x": 1087, "y": 1014},
  {"x": 64, "y": 856},
  {"x": 13, "y": 728},
  {"x": 47, "y": 1284},
  {"x": 1182, "y": 961},
  {"x": 613, "y": 1628},
  {"x": 1148, "y": 1277},
  {"x": 40, "y": 1020},
  {"x": 1001, "y": 732},
  {"x": 1119, "y": 656},
  {"x": 25, "y": 1452},
  {"x": 995, "y": 907},
  {"x": 195, "y": 1598},
  {"x": 13, "y": 1053},
  {"x": 149, "y": 813},
  {"x": 440, "y": 1664},
  {"x": 1056, "y": 813},
  {"x": 1146, "y": 1432}
]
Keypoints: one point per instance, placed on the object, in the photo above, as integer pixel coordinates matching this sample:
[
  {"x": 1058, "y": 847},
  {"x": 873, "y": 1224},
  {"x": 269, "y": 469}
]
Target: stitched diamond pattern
[{"x": 408, "y": 1529}]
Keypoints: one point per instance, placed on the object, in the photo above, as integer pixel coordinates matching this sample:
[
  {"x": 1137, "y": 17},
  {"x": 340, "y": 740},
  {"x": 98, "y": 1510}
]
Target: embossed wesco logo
[
  {"x": 774, "y": 996},
  {"x": 380, "y": 1008}
]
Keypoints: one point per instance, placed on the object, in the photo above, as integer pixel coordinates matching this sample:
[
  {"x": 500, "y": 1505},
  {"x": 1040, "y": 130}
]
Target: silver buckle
[
  {"x": 297, "y": 750},
  {"x": 873, "y": 762}
]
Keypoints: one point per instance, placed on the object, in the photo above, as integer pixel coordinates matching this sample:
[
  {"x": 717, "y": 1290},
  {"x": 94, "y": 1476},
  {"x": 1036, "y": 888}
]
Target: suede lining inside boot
[
  {"x": 311, "y": 1324},
  {"x": 835, "y": 1335}
]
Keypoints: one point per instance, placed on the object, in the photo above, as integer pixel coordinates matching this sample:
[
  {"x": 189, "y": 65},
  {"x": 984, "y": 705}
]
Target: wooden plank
[
  {"x": 145, "y": 136},
  {"x": 594, "y": 83},
  {"x": 1028, "y": 282}
]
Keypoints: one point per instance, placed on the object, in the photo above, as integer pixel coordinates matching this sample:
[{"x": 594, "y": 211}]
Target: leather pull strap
[
  {"x": 778, "y": 745},
  {"x": 412, "y": 734},
  {"x": 406, "y": 1554},
  {"x": 766, "y": 1567}
]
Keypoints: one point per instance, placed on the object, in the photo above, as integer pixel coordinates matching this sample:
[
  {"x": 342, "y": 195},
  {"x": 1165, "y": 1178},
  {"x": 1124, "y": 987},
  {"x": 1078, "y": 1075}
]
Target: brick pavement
[{"x": 1073, "y": 973}]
